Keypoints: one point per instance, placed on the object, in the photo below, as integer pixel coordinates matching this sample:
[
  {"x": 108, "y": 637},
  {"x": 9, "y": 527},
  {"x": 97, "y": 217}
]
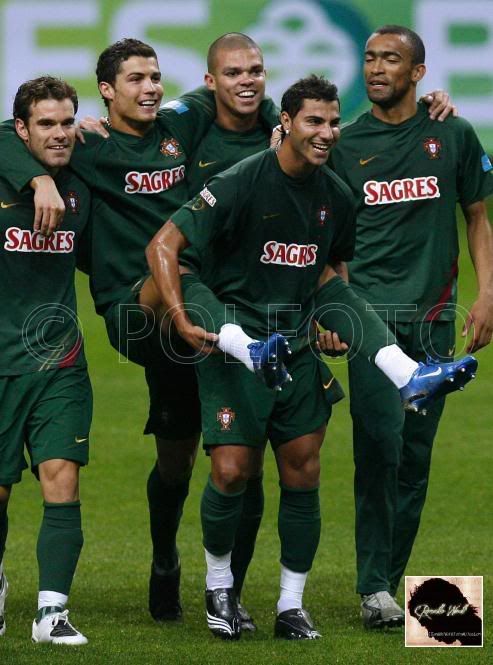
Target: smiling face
[
  {"x": 309, "y": 136},
  {"x": 390, "y": 75},
  {"x": 238, "y": 80},
  {"x": 49, "y": 132},
  {"x": 135, "y": 96}
]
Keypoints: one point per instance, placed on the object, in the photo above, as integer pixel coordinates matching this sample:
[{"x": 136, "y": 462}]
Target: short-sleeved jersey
[
  {"x": 136, "y": 184},
  {"x": 267, "y": 238},
  {"x": 407, "y": 179},
  {"x": 40, "y": 328}
]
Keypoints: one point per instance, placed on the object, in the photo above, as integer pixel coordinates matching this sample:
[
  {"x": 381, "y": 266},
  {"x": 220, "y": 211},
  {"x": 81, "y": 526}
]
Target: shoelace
[{"x": 62, "y": 618}]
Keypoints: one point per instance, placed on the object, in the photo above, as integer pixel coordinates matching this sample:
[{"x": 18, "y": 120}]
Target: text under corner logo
[{"x": 444, "y": 611}]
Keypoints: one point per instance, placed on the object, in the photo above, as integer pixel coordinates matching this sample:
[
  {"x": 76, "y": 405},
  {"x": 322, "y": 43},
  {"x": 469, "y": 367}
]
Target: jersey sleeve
[
  {"x": 269, "y": 114},
  {"x": 83, "y": 160},
  {"x": 208, "y": 216},
  {"x": 475, "y": 174},
  {"x": 20, "y": 167},
  {"x": 342, "y": 248},
  {"x": 190, "y": 116}
]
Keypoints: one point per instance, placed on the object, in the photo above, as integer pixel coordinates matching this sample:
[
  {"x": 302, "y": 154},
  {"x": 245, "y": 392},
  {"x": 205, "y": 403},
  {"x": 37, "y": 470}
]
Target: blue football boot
[
  {"x": 434, "y": 379},
  {"x": 268, "y": 360}
]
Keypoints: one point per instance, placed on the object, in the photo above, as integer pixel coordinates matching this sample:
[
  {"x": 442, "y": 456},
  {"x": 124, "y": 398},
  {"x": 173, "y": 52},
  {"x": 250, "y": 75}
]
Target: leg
[
  {"x": 298, "y": 462},
  {"x": 174, "y": 419},
  {"x": 60, "y": 542},
  {"x": 4, "y": 526}
]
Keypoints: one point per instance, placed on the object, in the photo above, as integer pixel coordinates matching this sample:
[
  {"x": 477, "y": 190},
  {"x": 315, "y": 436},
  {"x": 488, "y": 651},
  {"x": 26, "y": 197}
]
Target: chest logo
[
  {"x": 23, "y": 240},
  {"x": 4, "y": 205},
  {"x": 225, "y": 417},
  {"x": 203, "y": 165},
  {"x": 432, "y": 147},
  {"x": 297, "y": 256},
  {"x": 364, "y": 162},
  {"x": 323, "y": 215},
  {"x": 400, "y": 191},
  {"x": 170, "y": 148},
  {"x": 72, "y": 202}
]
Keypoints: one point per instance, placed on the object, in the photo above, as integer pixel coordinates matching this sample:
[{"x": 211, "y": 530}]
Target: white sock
[
  {"x": 234, "y": 340},
  {"x": 395, "y": 364},
  {"x": 292, "y": 586},
  {"x": 219, "y": 575},
  {"x": 51, "y": 599}
]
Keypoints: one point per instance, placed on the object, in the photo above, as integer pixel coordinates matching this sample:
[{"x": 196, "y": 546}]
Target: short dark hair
[
  {"x": 111, "y": 58},
  {"x": 311, "y": 87},
  {"x": 43, "y": 87},
  {"x": 230, "y": 41},
  {"x": 416, "y": 43}
]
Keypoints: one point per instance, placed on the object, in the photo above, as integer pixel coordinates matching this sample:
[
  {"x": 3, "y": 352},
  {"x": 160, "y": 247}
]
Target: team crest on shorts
[
  {"x": 171, "y": 148},
  {"x": 226, "y": 416},
  {"x": 432, "y": 147},
  {"x": 72, "y": 202}
]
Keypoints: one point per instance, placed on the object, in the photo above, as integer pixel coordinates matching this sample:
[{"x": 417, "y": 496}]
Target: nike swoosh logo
[
  {"x": 327, "y": 386},
  {"x": 451, "y": 351},
  {"x": 202, "y": 164},
  {"x": 79, "y": 440},
  {"x": 274, "y": 214},
  {"x": 437, "y": 372},
  {"x": 364, "y": 162},
  {"x": 7, "y": 205}
]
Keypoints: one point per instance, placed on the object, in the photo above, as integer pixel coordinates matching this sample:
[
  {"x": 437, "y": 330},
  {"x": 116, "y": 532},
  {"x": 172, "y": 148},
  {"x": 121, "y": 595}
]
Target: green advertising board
[{"x": 298, "y": 37}]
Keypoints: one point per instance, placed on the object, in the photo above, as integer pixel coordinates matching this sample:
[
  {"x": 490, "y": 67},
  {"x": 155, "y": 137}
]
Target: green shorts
[
  {"x": 174, "y": 410},
  {"x": 237, "y": 408},
  {"x": 50, "y": 412}
]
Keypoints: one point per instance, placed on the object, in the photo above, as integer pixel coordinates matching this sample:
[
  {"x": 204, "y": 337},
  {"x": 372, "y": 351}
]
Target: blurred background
[{"x": 298, "y": 37}]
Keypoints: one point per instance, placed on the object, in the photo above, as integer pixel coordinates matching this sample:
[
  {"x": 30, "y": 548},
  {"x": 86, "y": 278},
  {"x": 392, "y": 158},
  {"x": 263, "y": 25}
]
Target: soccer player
[
  {"x": 269, "y": 257},
  {"x": 406, "y": 173},
  {"x": 46, "y": 397}
]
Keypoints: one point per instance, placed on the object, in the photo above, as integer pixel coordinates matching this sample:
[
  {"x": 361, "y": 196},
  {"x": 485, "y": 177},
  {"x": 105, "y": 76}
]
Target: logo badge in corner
[
  {"x": 226, "y": 417},
  {"x": 444, "y": 611},
  {"x": 170, "y": 148},
  {"x": 432, "y": 147},
  {"x": 323, "y": 215}
]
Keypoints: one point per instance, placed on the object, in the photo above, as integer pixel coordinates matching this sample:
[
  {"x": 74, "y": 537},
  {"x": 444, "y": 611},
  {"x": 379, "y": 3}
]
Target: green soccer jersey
[
  {"x": 136, "y": 184},
  {"x": 39, "y": 315},
  {"x": 407, "y": 180},
  {"x": 267, "y": 238}
]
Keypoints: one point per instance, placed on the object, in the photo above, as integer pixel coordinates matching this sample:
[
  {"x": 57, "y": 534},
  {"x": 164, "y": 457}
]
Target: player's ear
[
  {"x": 285, "y": 122},
  {"x": 418, "y": 72},
  {"x": 21, "y": 129},
  {"x": 210, "y": 81},
  {"x": 107, "y": 91}
]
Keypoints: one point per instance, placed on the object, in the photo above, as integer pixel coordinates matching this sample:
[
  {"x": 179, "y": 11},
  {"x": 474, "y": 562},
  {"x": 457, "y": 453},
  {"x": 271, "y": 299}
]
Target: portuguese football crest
[
  {"x": 323, "y": 215},
  {"x": 226, "y": 416},
  {"x": 171, "y": 148},
  {"x": 72, "y": 202},
  {"x": 433, "y": 147}
]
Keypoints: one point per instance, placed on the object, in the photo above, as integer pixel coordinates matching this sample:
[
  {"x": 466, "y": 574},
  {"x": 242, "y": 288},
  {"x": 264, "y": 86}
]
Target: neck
[
  {"x": 394, "y": 115},
  {"x": 292, "y": 164},
  {"x": 134, "y": 128},
  {"x": 233, "y": 123}
]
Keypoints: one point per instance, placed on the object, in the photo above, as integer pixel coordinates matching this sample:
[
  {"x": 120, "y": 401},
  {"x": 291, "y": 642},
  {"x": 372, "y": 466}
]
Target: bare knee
[
  {"x": 231, "y": 468},
  {"x": 4, "y": 496},
  {"x": 298, "y": 461},
  {"x": 59, "y": 480},
  {"x": 175, "y": 458}
]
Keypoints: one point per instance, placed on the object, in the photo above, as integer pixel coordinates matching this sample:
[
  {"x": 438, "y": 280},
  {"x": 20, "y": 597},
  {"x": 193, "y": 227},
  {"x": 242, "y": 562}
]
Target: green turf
[{"x": 108, "y": 601}]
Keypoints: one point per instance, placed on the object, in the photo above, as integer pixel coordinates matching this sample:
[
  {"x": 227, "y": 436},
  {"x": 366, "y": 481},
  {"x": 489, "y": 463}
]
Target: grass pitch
[{"x": 109, "y": 597}]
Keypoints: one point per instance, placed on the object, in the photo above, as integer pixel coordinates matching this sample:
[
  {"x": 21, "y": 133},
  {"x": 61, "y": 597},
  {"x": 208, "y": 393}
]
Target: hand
[
  {"x": 276, "y": 137},
  {"x": 49, "y": 207},
  {"x": 90, "y": 124},
  {"x": 480, "y": 321},
  {"x": 440, "y": 106},
  {"x": 330, "y": 344},
  {"x": 199, "y": 339}
]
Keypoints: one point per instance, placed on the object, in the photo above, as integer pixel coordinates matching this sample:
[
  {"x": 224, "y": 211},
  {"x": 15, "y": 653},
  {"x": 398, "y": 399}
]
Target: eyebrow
[{"x": 383, "y": 53}]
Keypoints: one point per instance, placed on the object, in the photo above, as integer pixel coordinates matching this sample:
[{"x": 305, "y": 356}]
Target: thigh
[{"x": 60, "y": 418}]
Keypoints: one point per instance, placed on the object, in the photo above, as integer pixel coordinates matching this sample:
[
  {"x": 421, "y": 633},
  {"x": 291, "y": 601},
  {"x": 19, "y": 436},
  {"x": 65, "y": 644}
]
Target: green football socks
[
  {"x": 60, "y": 541},
  {"x": 299, "y": 526},
  {"x": 220, "y": 514},
  {"x": 165, "y": 511},
  {"x": 246, "y": 534}
]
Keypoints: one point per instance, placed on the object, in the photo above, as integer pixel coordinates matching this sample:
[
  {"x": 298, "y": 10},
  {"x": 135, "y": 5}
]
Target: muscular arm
[
  {"x": 162, "y": 256},
  {"x": 480, "y": 241}
]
